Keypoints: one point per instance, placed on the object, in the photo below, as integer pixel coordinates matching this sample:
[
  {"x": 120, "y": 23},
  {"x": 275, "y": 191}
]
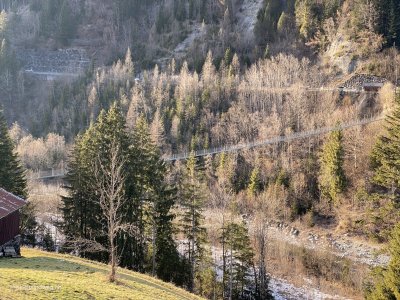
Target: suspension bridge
[{"x": 60, "y": 173}]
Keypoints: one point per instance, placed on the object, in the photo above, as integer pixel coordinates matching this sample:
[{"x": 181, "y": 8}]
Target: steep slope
[
  {"x": 43, "y": 275},
  {"x": 247, "y": 18}
]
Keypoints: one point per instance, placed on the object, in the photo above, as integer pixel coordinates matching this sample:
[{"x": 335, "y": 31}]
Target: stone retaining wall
[
  {"x": 63, "y": 61},
  {"x": 359, "y": 81}
]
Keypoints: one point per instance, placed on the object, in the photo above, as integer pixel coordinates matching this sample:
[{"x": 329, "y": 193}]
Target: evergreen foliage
[
  {"x": 8, "y": 64},
  {"x": 387, "y": 281},
  {"x": 239, "y": 257},
  {"x": 13, "y": 180},
  {"x": 57, "y": 19},
  {"x": 307, "y": 17},
  {"x": 332, "y": 179},
  {"x": 148, "y": 198},
  {"x": 158, "y": 200},
  {"x": 267, "y": 21},
  {"x": 12, "y": 176},
  {"x": 388, "y": 21},
  {"x": 192, "y": 204},
  {"x": 385, "y": 156},
  {"x": 385, "y": 191},
  {"x": 66, "y": 23},
  {"x": 254, "y": 184}
]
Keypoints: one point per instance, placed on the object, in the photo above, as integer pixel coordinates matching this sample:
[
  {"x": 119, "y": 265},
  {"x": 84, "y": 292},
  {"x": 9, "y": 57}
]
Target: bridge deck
[{"x": 42, "y": 175}]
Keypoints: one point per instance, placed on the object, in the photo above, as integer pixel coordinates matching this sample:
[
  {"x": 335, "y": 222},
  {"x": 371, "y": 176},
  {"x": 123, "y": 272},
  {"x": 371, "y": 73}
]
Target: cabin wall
[{"x": 9, "y": 227}]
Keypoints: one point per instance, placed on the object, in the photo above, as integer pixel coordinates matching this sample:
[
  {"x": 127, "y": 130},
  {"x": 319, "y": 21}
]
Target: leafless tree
[
  {"x": 109, "y": 180},
  {"x": 260, "y": 236}
]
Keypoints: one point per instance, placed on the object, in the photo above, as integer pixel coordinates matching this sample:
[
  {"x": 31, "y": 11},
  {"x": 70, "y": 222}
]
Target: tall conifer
[
  {"x": 192, "y": 203},
  {"x": 387, "y": 284},
  {"x": 148, "y": 197},
  {"x": 386, "y": 156},
  {"x": 332, "y": 178},
  {"x": 13, "y": 180}
]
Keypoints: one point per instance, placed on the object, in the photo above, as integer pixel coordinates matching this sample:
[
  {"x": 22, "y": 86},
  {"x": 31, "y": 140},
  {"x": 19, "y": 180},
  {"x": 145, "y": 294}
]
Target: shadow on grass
[
  {"x": 51, "y": 264},
  {"x": 47, "y": 264}
]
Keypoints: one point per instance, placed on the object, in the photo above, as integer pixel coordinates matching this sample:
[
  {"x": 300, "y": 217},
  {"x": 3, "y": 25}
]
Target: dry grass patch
[{"x": 42, "y": 275}]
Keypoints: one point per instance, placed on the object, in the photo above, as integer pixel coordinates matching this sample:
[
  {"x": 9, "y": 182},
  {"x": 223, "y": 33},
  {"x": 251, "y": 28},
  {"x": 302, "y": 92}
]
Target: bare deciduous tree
[{"x": 109, "y": 180}]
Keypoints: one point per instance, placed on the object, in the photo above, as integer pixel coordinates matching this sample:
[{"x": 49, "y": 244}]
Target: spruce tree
[
  {"x": 239, "y": 257},
  {"x": 387, "y": 285},
  {"x": 386, "y": 178},
  {"x": 385, "y": 156},
  {"x": 306, "y": 18},
  {"x": 394, "y": 23},
  {"x": 192, "y": 204},
  {"x": 12, "y": 177},
  {"x": 254, "y": 184},
  {"x": 158, "y": 198},
  {"x": 13, "y": 180},
  {"x": 148, "y": 198},
  {"x": 81, "y": 209},
  {"x": 332, "y": 178}
]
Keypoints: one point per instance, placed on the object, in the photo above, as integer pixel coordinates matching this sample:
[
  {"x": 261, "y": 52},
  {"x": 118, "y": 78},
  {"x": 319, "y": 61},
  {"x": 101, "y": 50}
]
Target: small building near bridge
[{"x": 10, "y": 206}]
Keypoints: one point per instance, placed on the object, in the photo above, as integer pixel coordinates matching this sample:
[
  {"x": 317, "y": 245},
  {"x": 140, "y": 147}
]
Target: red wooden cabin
[{"x": 9, "y": 220}]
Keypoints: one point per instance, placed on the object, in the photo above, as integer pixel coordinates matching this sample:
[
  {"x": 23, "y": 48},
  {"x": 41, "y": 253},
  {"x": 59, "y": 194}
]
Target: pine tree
[
  {"x": 81, "y": 209},
  {"x": 228, "y": 56},
  {"x": 387, "y": 285},
  {"x": 386, "y": 166},
  {"x": 238, "y": 256},
  {"x": 13, "y": 180},
  {"x": 394, "y": 23},
  {"x": 158, "y": 199},
  {"x": 267, "y": 20},
  {"x": 254, "y": 184},
  {"x": 305, "y": 18},
  {"x": 192, "y": 203},
  {"x": 385, "y": 156},
  {"x": 332, "y": 178},
  {"x": 12, "y": 177},
  {"x": 261, "y": 276},
  {"x": 147, "y": 198},
  {"x": 283, "y": 25}
]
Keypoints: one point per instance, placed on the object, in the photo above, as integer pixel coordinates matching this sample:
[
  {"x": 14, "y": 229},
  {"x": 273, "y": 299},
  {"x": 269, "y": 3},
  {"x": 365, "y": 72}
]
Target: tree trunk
[
  {"x": 112, "y": 260},
  {"x": 153, "y": 272},
  {"x": 223, "y": 257},
  {"x": 230, "y": 275}
]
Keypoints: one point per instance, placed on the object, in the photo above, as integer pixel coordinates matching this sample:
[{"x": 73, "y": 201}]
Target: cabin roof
[{"x": 9, "y": 203}]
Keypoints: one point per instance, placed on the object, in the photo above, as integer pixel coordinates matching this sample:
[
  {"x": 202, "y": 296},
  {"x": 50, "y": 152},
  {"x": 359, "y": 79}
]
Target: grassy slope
[{"x": 43, "y": 275}]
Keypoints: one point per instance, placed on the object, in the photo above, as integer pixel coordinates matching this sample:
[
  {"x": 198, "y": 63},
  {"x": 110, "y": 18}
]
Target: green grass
[{"x": 44, "y": 275}]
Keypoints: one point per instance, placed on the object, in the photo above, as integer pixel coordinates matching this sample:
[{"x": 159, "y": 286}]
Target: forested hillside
[{"x": 304, "y": 91}]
